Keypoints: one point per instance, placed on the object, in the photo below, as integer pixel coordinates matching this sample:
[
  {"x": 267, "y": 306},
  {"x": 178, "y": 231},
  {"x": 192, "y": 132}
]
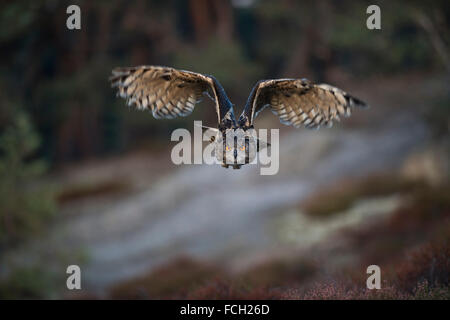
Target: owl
[{"x": 169, "y": 93}]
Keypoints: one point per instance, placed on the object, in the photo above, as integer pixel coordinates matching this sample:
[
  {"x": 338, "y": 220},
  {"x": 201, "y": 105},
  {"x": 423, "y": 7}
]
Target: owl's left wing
[{"x": 299, "y": 102}]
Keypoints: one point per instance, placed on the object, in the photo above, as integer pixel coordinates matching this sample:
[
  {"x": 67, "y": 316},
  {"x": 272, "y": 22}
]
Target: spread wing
[
  {"x": 167, "y": 92},
  {"x": 299, "y": 102}
]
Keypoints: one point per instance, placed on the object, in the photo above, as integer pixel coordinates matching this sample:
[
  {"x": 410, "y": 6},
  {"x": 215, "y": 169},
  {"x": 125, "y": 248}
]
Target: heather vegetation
[{"x": 412, "y": 247}]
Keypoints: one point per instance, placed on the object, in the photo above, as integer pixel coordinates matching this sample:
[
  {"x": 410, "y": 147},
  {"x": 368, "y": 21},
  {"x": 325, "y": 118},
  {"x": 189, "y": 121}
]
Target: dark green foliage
[
  {"x": 27, "y": 283},
  {"x": 25, "y": 205}
]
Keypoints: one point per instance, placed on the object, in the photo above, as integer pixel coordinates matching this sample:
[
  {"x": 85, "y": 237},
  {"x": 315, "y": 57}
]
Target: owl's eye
[
  {"x": 242, "y": 148},
  {"x": 227, "y": 148}
]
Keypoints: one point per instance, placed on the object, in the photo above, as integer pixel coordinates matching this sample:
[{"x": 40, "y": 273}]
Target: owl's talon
[
  {"x": 224, "y": 165},
  {"x": 237, "y": 166}
]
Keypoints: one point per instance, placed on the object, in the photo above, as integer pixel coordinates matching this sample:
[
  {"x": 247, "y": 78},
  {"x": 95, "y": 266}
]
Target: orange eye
[
  {"x": 227, "y": 148},
  {"x": 242, "y": 148}
]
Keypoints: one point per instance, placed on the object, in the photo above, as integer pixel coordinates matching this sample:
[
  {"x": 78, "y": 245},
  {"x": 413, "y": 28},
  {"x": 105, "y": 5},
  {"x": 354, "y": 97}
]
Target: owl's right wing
[
  {"x": 299, "y": 102},
  {"x": 167, "y": 92}
]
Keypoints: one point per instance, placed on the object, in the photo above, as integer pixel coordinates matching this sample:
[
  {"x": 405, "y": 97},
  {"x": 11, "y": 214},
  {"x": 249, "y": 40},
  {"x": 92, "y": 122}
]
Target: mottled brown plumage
[
  {"x": 169, "y": 92},
  {"x": 299, "y": 102}
]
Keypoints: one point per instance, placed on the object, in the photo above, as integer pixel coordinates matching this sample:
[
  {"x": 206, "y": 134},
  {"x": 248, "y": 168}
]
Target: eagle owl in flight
[{"x": 169, "y": 93}]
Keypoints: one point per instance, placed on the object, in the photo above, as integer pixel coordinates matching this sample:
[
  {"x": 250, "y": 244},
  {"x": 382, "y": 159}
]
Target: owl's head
[{"x": 236, "y": 146}]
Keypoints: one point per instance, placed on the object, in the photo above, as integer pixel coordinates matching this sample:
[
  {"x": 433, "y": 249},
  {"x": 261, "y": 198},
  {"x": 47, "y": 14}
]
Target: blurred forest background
[{"x": 70, "y": 152}]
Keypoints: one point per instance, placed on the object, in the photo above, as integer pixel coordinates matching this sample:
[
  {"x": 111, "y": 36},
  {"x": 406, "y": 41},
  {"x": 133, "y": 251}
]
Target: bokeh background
[{"x": 85, "y": 180}]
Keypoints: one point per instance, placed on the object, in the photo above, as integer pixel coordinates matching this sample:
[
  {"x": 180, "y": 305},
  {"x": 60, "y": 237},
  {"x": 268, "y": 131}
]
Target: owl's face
[{"x": 236, "y": 146}]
